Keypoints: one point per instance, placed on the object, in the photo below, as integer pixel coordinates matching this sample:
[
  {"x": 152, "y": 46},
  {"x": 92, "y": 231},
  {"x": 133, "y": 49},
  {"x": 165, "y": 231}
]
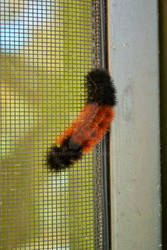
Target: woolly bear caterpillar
[{"x": 90, "y": 126}]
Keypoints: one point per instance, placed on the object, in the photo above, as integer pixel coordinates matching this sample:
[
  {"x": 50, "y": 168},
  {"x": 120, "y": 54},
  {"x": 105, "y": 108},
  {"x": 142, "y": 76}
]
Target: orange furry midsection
[
  {"x": 89, "y": 111},
  {"x": 90, "y": 126}
]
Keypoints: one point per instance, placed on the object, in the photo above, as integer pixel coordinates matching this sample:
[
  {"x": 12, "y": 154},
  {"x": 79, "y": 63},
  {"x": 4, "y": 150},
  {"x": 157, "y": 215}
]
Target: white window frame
[{"x": 135, "y": 157}]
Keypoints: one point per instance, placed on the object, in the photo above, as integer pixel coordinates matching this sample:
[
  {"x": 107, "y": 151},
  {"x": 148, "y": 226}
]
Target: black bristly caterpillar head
[
  {"x": 64, "y": 156},
  {"x": 100, "y": 87}
]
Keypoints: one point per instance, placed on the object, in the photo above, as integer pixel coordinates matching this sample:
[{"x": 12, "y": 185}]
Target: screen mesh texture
[{"x": 46, "y": 48}]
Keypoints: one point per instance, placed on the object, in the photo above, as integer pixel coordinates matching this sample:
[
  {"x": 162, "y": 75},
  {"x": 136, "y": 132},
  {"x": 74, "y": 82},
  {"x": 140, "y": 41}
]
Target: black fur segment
[
  {"x": 64, "y": 156},
  {"x": 101, "y": 88}
]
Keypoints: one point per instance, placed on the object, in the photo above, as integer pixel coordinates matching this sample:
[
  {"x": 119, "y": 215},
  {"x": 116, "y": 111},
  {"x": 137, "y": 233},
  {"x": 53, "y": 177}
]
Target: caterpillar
[{"x": 90, "y": 126}]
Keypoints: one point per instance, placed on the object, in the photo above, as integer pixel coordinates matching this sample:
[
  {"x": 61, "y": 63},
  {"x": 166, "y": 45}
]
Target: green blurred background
[{"x": 46, "y": 48}]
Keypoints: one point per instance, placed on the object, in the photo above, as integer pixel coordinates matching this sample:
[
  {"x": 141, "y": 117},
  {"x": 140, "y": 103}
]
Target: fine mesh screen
[{"x": 46, "y": 48}]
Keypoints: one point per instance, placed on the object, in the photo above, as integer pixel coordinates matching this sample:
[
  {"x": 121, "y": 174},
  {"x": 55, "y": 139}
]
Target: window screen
[{"x": 46, "y": 48}]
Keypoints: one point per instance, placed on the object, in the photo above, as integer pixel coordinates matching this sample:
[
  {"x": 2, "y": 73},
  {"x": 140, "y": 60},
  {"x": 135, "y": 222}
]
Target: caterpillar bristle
[
  {"x": 101, "y": 87},
  {"x": 54, "y": 159},
  {"x": 90, "y": 126},
  {"x": 63, "y": 156}
]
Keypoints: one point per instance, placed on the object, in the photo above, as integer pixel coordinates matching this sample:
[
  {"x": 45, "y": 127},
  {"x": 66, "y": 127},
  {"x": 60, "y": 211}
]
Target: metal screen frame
[{"x": 106, "y": 141}]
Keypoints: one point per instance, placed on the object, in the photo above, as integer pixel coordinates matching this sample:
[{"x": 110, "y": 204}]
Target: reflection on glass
[{"x": 15, "y": 32}]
